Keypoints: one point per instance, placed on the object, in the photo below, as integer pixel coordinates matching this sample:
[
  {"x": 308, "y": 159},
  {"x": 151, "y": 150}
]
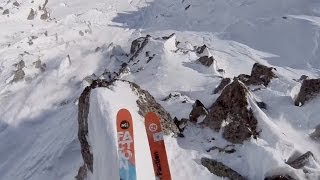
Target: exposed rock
[
  {"x": 300, "y": 161},
  {"x": 18, "y": 75},
  {"x": 206, "y": 61},
  {"x": 229, "y": 149},
  {"x": 180, "y": 124},
  {"x": 261, "y": 105},
  {"x": 20, "y": 65},
  {"x": 279, "y": 177},
  {"x": 198, "y": 111},
  {"x": 82, "y": 173},
  {"x": 260, "y": 74},
  {"x": 137, "y": 46},
  {"x": 45, "y": 15},
  {"x": 168, "y": 37},
  {"x": 5, "y": 12},
  {"x": 309, "y": 89},
  {"x": 1, "y": 8},
  {"x": 39, "y": 65},
  {"x": 201, "y": 49},
  {"x": 223, "y": 83},
  {"x": 31, "y": 15},
  {"x": 232, "y": 107},
  {"x": 220, "y": 169},
  {"x": 316, "y": 134},
  {"x": 16, "y": 4},
  {"x": 145, "y": 102},
  {"x": 81, "y": 33}
]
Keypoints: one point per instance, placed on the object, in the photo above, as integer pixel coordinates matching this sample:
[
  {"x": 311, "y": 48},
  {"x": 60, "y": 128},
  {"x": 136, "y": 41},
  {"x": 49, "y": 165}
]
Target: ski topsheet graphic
[
  {"x": 127, "y": 169},
  {"x": 157, "y": 147}
]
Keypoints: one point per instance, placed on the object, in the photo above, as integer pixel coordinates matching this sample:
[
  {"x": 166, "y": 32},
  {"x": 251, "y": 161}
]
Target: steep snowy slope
[{"x": 51, "y": 50}]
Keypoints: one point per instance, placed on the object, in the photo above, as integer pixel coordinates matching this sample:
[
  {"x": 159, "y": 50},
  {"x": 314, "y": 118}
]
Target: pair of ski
[{"x": 127, "y": 169}]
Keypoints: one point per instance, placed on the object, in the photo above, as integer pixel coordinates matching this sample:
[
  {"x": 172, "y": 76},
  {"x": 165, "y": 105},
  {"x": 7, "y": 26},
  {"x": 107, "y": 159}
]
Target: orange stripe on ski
[{"x": 157, "y": 147}]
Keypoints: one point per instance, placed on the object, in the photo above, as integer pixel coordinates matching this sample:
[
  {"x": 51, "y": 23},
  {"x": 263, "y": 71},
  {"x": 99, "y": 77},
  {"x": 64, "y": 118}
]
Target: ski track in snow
[{"x": 38, "y": 115}]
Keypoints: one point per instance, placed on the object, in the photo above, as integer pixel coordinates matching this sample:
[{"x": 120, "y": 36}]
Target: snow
[{"x": 38, "y": 115}]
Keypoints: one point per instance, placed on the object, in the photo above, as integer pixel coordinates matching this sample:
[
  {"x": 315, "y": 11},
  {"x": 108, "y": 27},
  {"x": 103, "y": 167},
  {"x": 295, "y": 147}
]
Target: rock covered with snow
[
  {"x": 231, "y": 112},
  {"x": 260, "y": 75},
  {"x": 309, "y": 89}
]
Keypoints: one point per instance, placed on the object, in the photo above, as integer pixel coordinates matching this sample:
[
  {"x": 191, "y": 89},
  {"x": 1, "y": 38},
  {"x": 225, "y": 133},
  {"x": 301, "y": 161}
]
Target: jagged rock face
[
  {"x": 137, "y": 46},
  {"x": 260, "y": 75},
  {"x": 223, "y": 84},
  {"x": 220, "y": 169},
  {"x": 145, "y": 102},
  {"x": 300, "y": 161},
  {"x": 198, "y": 110},
  {"x": 232, "y": 107},
  {"x": 206, "y": 61},
  {"x": 309, "y": 89},
  {"x": 279, "y": 177}
]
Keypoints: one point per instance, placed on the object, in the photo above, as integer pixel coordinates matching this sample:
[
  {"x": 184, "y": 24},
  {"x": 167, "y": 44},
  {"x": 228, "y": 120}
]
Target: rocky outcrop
[
  {"x": 316, "y": 134},
  {"x": 224, "y": 82},
  {"x": 309, "y": 89},
  {"x": 220, "y": 169},
  {"x": 300, "y": 161},
  {"x": 206, "y": 60},
  {"x": 145, "y": 102},
  {"x": 19, "y": 74},
  {"x": 82, "y": 173},
  {"x": 5, "y": 12},
  {"x": 232, "y": 107},
  {"x": 279, "y": 177},
  {"x": 32, "y": 14},
  {"x": 260, "y": 75},
  {"x": 198, "y": 111},
  {"x": 137, "y": 46}
]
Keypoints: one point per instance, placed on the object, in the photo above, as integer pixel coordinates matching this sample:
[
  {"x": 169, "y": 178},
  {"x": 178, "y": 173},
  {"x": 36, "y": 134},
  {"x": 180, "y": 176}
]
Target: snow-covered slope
[{"x": 46, "y": 62}]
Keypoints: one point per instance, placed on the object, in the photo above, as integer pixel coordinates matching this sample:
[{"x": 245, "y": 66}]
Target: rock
[
  {"x": 20, "y": 65},
  {"x": 198, "y": 111},
  {"x": 261, "y": 105},
  {"x": 32, "y": 14},
  {"x": 201, "y": 49},
  {"x": 279, "y": 177},
  {"x": 223, "y": 83},
  {"x": 1, "y": 8},
  {"x": 180, "y": 124},
  {"x": 260, "y": 75},
  {"x": 5, "y": 12},
  {"x": 316, "y": 134},
  {"x": 82, "y": 173},
  {"x": 137, "y": 46},
  {"x": 300, "y": 161},
  {"x": 16, "y": 4},
  {"x": 206, "y": 61},
  {"x": 45, "y": 15},
  {"x": 18, "y": 75},
  {"x": 309, "y": 89},
  {"x": 147, "y": 103},
  {"x": 168, "y": 37},
  {"x": 232, "y": 107},
  {"x": 81, "y": 33},
  {"x": 220, "y": 169}
]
